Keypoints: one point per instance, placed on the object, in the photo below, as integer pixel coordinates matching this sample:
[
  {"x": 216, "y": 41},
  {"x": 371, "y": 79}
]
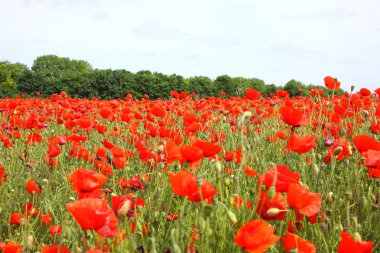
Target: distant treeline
[{"x": 51, "y": 74}]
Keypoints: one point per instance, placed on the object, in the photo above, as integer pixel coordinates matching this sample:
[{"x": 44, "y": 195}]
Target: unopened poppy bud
[
  {"x": 366, "y": 113},
  {"x": 122, "y": 212},
  {"x": 218, "y": 167},
  {"x": 227, "y": 181},
  {"x": 357, "y": 237},
  {"x": 337, "y": 151},
  {"x": 29, "y": 242},
  {"x": 273, "y": 211},
  {"x": 202, "y": 225},
  {"x": 231, "y": 201},
  {"x": 198, "y": 180},
  {"x": 315, "y": 169},
  {"x": 232, "y": 217},
  {"x": 271, "y": 192},
  {"x": 153, "y": 247},
  {"x": 247, "y": 115},
  {"x": 329, "y": 196},
  {"x": 349, "y": 148},
  {"x": 176, "y": 248},
  {"x": 352, "y": 88},
  {"x": 263, "y": 187},
  {"x": 364, "y": 201},
  {"x": 160, "y": 149}
]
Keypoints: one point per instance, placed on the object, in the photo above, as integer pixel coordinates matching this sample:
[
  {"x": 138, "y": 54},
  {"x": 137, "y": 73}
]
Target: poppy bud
[
  {"x": 366, "y": 113},
  {"x": 176, "y": 248},
  {"x": 153, "y": 248},
  {"x": 273, "y": 211},
  {"x": 202, "y": 225},
  {"x": 231, "y": 201},
  {"x": 218, "y": 167},
  {"x": 337, "y": 151},
  {"x": 357, "y": 237},
  {"x": 227, "y": 181},
  {"x": 198, "y": 180},
  {"x": 364, "y": 201},
  {"x": 232, "y": 217},
  {"x": 329, "y": 196},
  {"x": 247, "y": 114},
  {"x": 352, "y": 88},
  {"x": 29, "y": 242},
  {"x": 349, "y": 148},
  {"x": 122, "y": 212},
  {"x": 271, "y": 192},
  {"x": 315, "y": 169},
  {"x": 263, "y": 187}
]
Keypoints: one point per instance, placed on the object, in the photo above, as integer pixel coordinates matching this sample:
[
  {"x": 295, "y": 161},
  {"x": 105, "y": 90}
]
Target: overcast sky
[{"x": 272, "y": 40}]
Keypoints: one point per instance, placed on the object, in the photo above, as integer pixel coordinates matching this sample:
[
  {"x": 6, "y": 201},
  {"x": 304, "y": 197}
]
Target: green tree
[
  {"x": 294, "y": 88},
  {"x": 8, "y": 86},
  {"x": 55, "y": 74},
  {"x": 202, "y": 86},
  {"x": 226, "y": 84}
]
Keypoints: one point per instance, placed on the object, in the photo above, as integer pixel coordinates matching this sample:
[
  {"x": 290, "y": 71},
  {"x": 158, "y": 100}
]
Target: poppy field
[{"x": 255, "y": 173}]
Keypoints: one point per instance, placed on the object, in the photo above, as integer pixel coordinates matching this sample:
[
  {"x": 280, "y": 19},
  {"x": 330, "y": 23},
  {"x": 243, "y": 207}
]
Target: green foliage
[
  {"x": 294, "y": 88},
  {"x": 51, "y": 74},
  {"x": 8, "y": 85}
]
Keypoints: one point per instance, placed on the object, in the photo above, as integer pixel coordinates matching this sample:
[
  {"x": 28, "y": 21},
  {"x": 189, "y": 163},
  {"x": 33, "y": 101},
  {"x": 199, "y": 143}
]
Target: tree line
[{"x": 51, "y": 74}]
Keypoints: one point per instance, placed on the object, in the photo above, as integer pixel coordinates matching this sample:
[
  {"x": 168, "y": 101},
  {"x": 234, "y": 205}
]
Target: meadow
[{"x": 254, "y": 173}]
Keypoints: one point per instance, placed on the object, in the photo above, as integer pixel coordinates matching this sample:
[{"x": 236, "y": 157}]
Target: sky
[{"x": 274, "y": 40}]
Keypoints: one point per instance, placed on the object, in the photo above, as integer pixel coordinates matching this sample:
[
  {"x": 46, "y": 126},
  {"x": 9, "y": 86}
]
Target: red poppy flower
[
  {"x": 347, "y": 244},
  {"x": 12, "y": 247},
  {"x": 87, "y": 183},
  {"x": 30, "y": 209},
  {"x": 271, "y": 209},
  {"x": 208, "y": 148},
  {"x": 53, "y": 151},
  {"x": 94, "y": 214},
  {"x": 32, "y": 187},
  {"x": 55, "y": 249},
  {"x": 363, "y": 143},
  {"x": 281, "y": 177},
  {"x": 293, "y": 116},
  {"x": 125, "y": 204},
  {"x": 184, "y": 184},
  {"x": 250, "y": 172},
  {"x": 331, "y": 83},
  {"x": 45, "y": 218},
  {"x": 306, "y": 202},
  {"x": 191, "y": 153},
  {"x": 255, "y": 236},
  {"x": 292, "y": 241},
  {"x": 172, "y": 152},
  {"x": 372, "y": 158},
  {"x": 3, "y": 177},
  {"x": 365, "y": 92},
  {"x": 301, "y": 144},
  {"x": 17, "y": 218},
  {"x": 252, "y": 94},
  {"x": 55, "y": 230}
]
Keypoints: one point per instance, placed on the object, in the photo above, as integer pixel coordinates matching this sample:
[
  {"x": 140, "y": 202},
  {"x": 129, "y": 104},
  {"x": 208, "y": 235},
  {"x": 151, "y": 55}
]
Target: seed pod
[
  {"x": 316, "y": 169},
  {"x": 232, "y": 217},
  {"x": 357, "y": 237},
  {"x": 273, "y": 211},
  {"x": 337, "y": 151},
  {"x": 271, "y": 192}
]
